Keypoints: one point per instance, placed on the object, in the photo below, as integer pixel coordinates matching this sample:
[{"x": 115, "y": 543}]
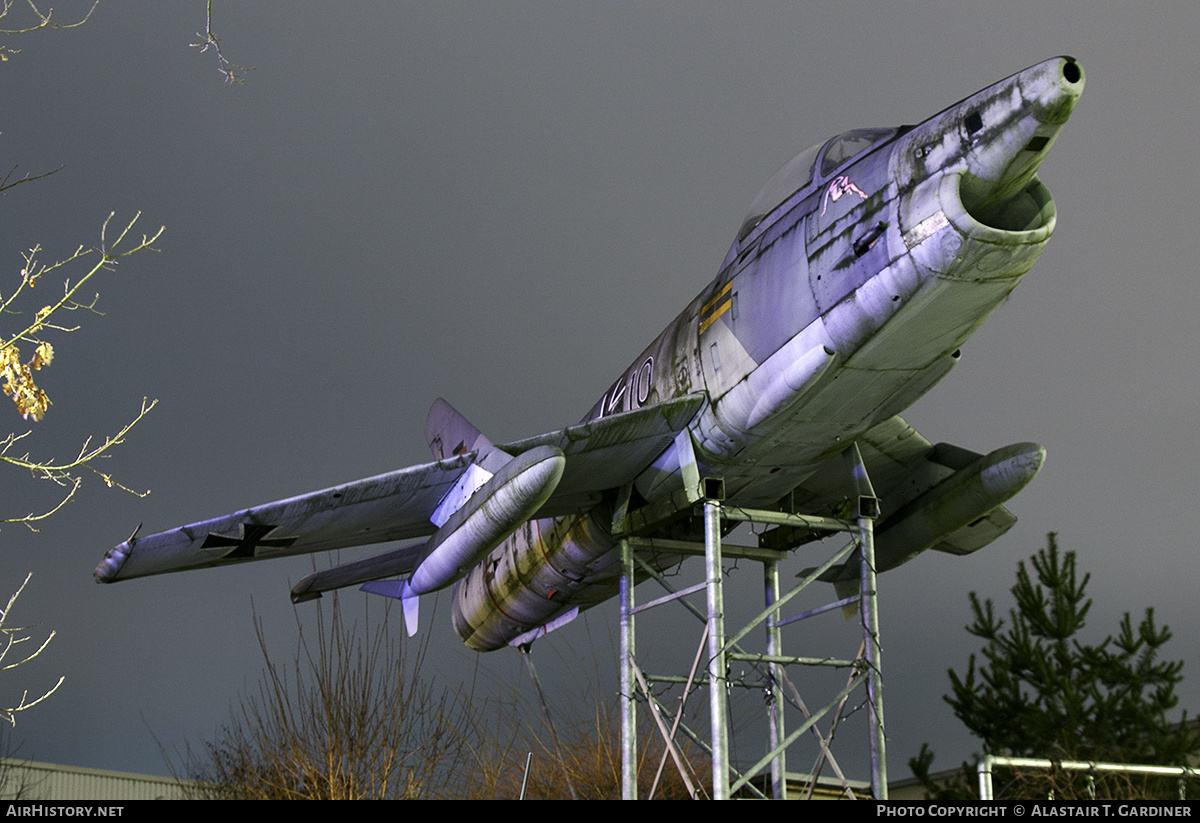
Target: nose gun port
[
  {"x": 1019, "y": 126},
  {"x": 1055, "y": 92}
]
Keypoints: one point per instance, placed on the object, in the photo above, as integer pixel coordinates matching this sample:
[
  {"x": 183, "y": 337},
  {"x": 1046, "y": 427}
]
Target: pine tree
[{"x": 1037, "y": 690}]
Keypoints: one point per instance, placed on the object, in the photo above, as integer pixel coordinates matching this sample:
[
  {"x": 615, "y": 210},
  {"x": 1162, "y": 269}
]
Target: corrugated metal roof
[{"x": 30, "y": 780}]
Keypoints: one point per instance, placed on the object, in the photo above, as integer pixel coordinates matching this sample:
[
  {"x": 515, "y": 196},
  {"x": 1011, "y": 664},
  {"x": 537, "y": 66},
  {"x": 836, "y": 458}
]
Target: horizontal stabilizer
[
  {"x": 386, "y": 588},
  {"x": 389, "y": 564}
]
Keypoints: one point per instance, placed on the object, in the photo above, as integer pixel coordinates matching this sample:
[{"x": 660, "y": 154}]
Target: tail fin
[{"x": 448, "y": 433}]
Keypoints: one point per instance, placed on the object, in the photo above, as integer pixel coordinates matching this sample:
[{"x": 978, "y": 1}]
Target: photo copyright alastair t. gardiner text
[{"x": 1095, "y": 808}]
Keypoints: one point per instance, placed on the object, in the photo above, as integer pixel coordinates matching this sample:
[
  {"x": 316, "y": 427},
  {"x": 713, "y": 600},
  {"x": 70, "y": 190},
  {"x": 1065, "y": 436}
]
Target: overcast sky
[{"x": 502, "y": 204}]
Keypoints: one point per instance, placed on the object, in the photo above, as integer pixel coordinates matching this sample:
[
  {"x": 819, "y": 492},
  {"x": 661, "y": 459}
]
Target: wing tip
[{"x": 114, "y": 559}]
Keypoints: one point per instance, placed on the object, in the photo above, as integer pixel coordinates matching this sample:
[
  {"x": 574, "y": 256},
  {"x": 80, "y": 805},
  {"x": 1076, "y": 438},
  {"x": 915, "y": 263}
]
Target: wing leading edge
[
  {"x": 392, "y": 506},
  {"x": 600, "y": 454}
]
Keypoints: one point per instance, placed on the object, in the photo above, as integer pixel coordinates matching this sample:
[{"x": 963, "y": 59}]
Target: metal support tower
[{"x": 642, "y": 556}]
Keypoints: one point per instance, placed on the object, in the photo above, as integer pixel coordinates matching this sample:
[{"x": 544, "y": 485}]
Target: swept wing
[
  {"x": 932, "y": 496},
  {"x": 601, "y": 454}
]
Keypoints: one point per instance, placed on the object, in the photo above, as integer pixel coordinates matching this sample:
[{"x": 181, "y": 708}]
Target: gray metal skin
[
  {"x": 514, "y": 494},
  {"x": 844, "y": 299},
  {"x": 860, "y": 269}
]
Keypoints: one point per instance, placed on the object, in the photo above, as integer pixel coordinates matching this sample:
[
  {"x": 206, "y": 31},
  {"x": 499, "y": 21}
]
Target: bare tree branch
[
  {"x": 44, "y": 21},
  {"x": 67, "y": 474},
  {"x": 17, "y": 373},
  {"x": 8, "y": 183},
  {"x": 10, "y": 638},
  {"x": 209, "y": 40}
]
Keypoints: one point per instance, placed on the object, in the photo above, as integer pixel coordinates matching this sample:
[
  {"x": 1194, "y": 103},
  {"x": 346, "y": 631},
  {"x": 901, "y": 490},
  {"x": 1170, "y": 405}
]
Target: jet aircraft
[{"x": 859, "y": 271}]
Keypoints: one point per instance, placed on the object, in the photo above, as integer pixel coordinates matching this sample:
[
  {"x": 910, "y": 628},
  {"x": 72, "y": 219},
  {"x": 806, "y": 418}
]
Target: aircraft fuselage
[{"x": 860, "y": 270}]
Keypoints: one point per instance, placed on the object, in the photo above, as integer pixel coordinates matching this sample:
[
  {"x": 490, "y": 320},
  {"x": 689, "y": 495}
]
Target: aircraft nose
[
  {"x": 1052, "y": 89},
  {"x": 1010, "y": 128}
]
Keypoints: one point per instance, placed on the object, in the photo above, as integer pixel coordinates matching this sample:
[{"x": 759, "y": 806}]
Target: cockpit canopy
[
  {"x": 794, "y": 175},
  {"x": 798, "y": 172}
]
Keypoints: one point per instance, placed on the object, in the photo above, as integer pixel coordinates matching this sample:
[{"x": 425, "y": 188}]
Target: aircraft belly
[{"x": 876, "y": 382}]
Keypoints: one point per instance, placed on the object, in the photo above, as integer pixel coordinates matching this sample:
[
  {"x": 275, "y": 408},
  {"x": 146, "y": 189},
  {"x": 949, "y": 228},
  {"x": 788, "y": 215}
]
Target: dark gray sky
[{"x": 502, "y": 204}]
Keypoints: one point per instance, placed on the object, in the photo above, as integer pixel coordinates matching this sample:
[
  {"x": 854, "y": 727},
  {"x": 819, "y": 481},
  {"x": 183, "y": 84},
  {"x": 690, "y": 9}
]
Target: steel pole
[
  {"x": 870, "y": 618},
  {"x": 868, "y": 510},
  {"x": 628, "y": 704},
  {"x": 716, "y": 650},
  {"x": 775, "y": 703}
]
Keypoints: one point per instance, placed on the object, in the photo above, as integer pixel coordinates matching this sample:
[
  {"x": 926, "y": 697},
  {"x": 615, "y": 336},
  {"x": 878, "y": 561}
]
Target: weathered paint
[
  {"x": 837, "y": 306},
  {"x": 858, "y": 272}
]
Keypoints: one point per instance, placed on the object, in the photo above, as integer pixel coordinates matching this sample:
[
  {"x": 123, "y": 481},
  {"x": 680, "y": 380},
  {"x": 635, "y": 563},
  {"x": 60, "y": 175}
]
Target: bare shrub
[
  {"x": 586, "y": 765},
  {"x": 350, "y": 718}
]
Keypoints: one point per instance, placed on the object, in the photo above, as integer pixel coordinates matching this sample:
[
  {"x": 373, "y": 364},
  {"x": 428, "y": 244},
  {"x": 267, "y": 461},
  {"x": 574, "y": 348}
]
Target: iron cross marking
[{"x": 244, "y": 546}]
